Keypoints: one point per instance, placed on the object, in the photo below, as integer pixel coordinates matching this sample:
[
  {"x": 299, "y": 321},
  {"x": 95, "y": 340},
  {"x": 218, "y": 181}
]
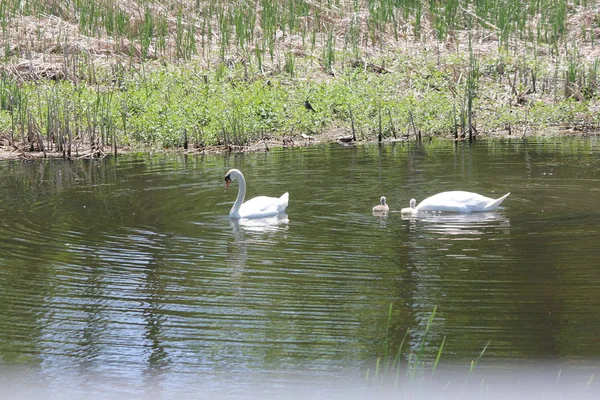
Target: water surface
[{"x": 128, "y": 268}]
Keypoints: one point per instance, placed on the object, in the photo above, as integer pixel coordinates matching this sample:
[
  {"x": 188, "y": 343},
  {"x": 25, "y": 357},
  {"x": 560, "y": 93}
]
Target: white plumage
[{"x": 455, "y": 201}]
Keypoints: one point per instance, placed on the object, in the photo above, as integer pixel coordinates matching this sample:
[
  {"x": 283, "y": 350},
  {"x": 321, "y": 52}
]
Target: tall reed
[
  {"x": 329, "y": 51},
  {"x": 244, "y": 24},
  {"x": 390, "y": 369},
  {"x": 146, "y": 32}
]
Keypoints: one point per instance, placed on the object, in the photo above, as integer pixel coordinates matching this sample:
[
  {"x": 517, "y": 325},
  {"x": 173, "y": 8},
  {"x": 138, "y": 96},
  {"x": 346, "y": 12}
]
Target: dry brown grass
[
  {"x": 46, "y": 41},
  {"x": 53, "y": 46}
]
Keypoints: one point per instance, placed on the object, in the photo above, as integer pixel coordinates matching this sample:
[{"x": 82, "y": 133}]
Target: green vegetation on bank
[{"x": 198, "y": 73}]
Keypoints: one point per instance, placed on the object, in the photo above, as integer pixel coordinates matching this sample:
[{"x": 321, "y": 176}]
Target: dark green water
[{"x": 129, "y": 268}]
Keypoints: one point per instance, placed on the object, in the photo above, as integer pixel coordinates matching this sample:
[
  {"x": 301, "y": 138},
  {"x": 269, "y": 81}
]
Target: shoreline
[{"x": 14, "y": 152}]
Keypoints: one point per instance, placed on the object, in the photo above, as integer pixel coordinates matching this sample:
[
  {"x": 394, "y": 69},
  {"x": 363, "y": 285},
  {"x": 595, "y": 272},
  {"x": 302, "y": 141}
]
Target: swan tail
[
  {"x": 492, "y": 205},
  {"x": 283, "y": 201}
]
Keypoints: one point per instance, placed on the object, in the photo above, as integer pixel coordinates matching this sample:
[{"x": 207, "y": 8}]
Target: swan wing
[
  {"x": 455, "y": 201},
  {"x": 450, "y": 206},
  {"x": 460, "y": 201},
  {"x": 264, "y": 206}
]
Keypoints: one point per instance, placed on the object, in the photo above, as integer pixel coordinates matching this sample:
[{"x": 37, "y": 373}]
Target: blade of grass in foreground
[{"x": 388, "y": 367}]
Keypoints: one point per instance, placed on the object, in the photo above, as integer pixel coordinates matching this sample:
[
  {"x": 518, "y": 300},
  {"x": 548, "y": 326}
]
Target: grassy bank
[{"x": 83, "y": 76}]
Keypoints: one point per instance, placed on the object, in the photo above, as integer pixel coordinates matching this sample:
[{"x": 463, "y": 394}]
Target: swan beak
[{"x": 227, "y": 181}]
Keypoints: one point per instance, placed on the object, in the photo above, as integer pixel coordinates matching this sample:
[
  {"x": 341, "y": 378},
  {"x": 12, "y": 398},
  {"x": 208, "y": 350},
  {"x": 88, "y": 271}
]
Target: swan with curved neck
[
  {"x": 257, "y": 207},
  {"x": 455, "y": 201},
  {"x": 382, "y": 207}
]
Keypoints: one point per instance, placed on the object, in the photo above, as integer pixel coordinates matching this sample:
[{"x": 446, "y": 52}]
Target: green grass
[
  {"x": 162, "y": 73},
  {"x": 404, "y": 366},
  {"x": 400, "y": 367},
  {"x": 223, "y": 107}
]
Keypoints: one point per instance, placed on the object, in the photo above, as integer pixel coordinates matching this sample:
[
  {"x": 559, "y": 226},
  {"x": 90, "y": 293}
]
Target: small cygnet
[{"x": 381, "y": 208}]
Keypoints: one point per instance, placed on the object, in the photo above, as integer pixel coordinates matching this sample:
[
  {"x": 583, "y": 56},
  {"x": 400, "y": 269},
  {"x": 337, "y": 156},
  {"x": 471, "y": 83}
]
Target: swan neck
[{"x": 235, "y": 210}]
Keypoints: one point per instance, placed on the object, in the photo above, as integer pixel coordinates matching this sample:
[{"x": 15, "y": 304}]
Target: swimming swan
[
  {"x": 456, "y": 201},
  {"x": 381, "y": 208},
  {"x": 258, "y": 207}
]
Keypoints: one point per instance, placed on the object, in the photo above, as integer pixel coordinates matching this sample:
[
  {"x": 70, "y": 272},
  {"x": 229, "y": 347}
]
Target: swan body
[
  {"x": 382, "y": 207},
  {"x": 455, "y": 201},
  {"x": 257, "y": 207}
]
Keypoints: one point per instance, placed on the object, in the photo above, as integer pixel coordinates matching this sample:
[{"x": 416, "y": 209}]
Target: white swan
[
  {"x": 381, "y": 208},
  {"x": 258, "y": 207},
  {"x": 456, "y": 201}
]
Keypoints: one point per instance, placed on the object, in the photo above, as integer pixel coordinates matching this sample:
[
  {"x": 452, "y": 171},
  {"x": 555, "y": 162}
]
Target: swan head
[
  {"x": 382, "y": 200},
  {"x": 231, "y": 175},
  {"x": 412, "y": 210}
]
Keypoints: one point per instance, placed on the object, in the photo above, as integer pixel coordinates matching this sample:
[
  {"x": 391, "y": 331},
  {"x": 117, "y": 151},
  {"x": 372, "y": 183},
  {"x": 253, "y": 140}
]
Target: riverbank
[
  {"x": 72, "y": 83},
  {"x": 13, "y": 152}
]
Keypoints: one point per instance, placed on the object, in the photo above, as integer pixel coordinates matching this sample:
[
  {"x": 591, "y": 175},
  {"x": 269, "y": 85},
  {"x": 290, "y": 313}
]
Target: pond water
[{"x": 129, "y": 270}]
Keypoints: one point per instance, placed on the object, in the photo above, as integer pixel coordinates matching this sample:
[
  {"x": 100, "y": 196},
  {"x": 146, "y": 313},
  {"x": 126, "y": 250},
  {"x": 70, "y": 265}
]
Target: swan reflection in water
[
  {"x": 459, "y": 223},
  {"x": 259, "y": 234},
  {"x": 276, "y": 223}
]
